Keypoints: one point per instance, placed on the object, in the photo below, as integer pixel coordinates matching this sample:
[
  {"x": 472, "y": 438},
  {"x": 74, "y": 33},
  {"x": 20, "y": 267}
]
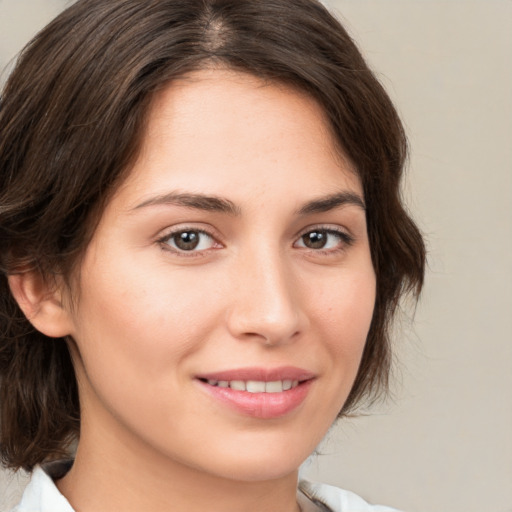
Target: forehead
[{"x": 219, "y": 127}]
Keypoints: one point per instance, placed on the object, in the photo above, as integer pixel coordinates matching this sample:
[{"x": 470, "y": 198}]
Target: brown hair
[{"x": 71, "y": 119}]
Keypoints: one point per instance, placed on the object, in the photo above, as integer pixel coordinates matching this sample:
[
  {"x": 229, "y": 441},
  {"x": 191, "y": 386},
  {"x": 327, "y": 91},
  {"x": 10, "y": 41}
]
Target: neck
[{"x": 112, "y": 472}]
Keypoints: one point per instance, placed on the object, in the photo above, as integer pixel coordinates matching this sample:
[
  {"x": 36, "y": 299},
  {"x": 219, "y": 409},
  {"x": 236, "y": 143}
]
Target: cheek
[
  {"x": 344, "y": 314},
  {"x": 134, "y": 337},
  {"x": 140, "y": 323}
]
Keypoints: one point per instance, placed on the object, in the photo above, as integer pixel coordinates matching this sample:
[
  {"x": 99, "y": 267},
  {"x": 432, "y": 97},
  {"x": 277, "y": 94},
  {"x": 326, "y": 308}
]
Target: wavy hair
[{"x": 72, "y": 115}]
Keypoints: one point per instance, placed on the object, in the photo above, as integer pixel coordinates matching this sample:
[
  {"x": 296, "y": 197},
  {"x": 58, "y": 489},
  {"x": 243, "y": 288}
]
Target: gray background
[{"x": 445, "y": 442}]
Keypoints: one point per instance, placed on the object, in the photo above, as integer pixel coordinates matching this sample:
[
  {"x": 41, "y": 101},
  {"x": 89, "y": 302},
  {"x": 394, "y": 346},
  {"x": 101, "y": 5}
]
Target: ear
[{"x": 42, "y": 303}]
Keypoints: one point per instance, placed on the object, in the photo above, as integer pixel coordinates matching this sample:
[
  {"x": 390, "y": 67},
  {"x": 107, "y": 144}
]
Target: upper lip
[{"x": 259, "y": 374}]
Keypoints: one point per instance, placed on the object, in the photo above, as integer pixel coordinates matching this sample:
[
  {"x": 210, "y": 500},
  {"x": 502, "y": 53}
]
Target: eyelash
[
  {"x": 345, "y": 240},
  {"x": 164, "y": 242}
]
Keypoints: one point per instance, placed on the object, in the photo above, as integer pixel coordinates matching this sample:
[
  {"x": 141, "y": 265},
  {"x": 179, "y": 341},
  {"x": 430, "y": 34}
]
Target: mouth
[
  {"x": 259, "y": 393},
  {"x": 254, "y": 386}
]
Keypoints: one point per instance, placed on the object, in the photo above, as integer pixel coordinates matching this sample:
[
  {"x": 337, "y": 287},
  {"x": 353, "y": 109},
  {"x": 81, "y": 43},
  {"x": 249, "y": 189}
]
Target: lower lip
[{"x": 260, "y": 405}]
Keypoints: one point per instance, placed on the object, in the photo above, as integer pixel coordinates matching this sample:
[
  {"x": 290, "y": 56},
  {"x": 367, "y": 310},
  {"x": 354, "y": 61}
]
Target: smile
[
  {"x": 258, "y": 392},
  {"x": 255, "y": 386}
]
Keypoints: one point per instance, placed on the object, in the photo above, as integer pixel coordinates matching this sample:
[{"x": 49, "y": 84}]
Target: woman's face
[{"x": 227, "y": 293}]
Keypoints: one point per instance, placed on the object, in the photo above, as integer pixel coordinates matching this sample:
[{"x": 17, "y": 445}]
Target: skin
[{"x": 148, "y": 318}]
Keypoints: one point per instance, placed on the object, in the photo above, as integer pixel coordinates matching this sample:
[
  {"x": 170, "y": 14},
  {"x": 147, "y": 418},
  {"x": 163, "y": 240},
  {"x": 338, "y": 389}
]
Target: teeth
[
  {"x": 274, "y": 387},
  {"x": 238, "y": 385},
  {"x": 256, "y": 386}
]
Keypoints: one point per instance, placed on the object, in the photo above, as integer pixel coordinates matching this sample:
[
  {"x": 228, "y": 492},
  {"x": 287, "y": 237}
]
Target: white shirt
[{"x": 42, "y": 495}]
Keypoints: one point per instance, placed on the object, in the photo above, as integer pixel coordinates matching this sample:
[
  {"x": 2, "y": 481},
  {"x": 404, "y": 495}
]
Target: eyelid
[
  {"x": 332, "y": 228},
  {"x": 347, "y": 239},
  {"x": 165, "y": 235}
]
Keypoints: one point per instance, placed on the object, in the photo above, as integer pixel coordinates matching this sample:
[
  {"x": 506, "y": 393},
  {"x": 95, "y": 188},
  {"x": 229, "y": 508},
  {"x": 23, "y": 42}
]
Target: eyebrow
[
  {"x": 328, "y": 203},
  {"x": 223, "y": 205},
  {"x": 195, "y": 201}
]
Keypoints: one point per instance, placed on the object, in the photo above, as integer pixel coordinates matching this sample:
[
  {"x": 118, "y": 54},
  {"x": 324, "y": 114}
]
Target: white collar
[{"x": 42, "y": 495}]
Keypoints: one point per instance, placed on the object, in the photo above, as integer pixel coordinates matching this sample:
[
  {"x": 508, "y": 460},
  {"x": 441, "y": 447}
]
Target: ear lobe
[{"x": 41, "y": 303}]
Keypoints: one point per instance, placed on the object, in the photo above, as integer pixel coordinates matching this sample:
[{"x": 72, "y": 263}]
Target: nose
[{"x": 266, "y": 304}]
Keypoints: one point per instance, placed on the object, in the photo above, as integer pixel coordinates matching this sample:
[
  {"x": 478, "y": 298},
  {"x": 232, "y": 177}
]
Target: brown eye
[
  {"x": 188, "y": 240},
  {"x": 315, "y": 239},
  {"x": 326, "y": 239}
]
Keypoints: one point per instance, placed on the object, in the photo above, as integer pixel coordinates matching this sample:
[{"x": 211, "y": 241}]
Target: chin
[
  {"x": 258, "y": 472},
  {"x": 260, "y": 462}
]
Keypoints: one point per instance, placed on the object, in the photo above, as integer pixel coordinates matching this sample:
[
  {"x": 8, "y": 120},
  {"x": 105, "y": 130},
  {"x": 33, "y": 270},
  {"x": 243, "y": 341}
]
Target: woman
[{"x": 203, "y": 245}]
